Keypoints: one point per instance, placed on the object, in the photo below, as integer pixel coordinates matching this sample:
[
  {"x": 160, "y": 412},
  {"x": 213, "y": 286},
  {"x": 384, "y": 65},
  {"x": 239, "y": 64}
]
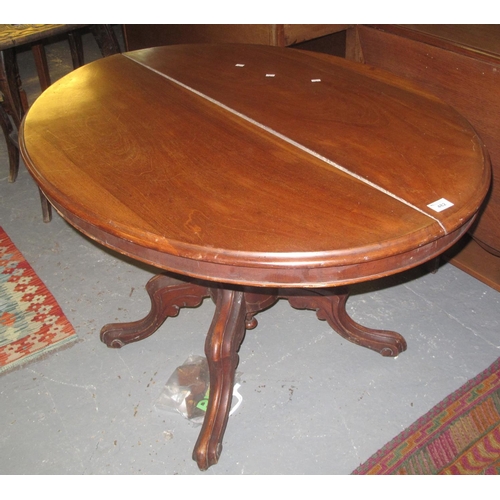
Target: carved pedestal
[{"x": 235, "y": 312}]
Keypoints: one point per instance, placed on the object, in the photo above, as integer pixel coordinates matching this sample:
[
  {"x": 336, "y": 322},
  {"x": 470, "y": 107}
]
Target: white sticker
[
  {"x": 239, "y": 65},
  {"x": 314, "y": 80},
  {"x": 270, "y": 75},
  {"x": 440, "y": 205}
]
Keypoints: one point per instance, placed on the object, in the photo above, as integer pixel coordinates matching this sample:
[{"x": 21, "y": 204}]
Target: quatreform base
[
  {"x": 256, "y": 167},
  {"x": 235, "y": 312}
]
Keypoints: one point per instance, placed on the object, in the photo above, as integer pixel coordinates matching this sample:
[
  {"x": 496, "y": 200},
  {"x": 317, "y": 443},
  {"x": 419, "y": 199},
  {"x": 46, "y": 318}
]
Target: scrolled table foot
[
  {"x": 221, "y": 349},
  {"x": 330, "y": 306},
  {"x": 167, "y": 296}
]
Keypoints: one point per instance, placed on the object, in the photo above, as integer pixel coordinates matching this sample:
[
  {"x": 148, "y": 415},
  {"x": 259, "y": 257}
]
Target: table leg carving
[
  {"x": 221, "y": 349},
  {"x": 330, "y": 306},
  {"x": 167, "y": 296},
  {"x": 234, "y": 314},
  {"x": 255, "y": 303}
]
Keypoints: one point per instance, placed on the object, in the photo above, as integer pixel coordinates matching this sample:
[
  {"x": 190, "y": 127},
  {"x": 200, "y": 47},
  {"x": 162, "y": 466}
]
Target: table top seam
[{"x": 289, "y": 141}]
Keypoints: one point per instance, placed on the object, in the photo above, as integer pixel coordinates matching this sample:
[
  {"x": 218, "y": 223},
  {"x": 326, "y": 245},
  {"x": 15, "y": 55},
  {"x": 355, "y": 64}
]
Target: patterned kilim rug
[
  {"x": 460, "y": 435},
  {"x": 31, "y": 321}
]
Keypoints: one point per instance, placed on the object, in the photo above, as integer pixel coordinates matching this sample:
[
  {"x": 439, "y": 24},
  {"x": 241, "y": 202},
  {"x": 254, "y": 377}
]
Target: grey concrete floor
[{"x": 313, "y": 403}]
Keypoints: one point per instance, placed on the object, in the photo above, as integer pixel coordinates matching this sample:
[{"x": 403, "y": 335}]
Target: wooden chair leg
[
  {"x": 76, "y": 48},
  {"x": 14, "y": 97},
  {"x": 42, "y": 66},
  {"x": 46, "y": 208},
  {"x": 106, "y": 39},
  {"x": 12, "y": 149}
]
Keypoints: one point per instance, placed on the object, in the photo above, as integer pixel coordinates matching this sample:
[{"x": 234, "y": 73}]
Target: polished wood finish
[
  {"x": 253, "y": 173},
  {"x": 281, "y": 237},
  {"x": 15, "y": 102},
  {"x": 168, "y": 295},
  {"x": 235, "y": 312},
  {"x": 461, "y": 65},
  {"x": 330, "y": 305},
  {"x": 141, "y": 36},
  {"x": 17, "y": 35}
]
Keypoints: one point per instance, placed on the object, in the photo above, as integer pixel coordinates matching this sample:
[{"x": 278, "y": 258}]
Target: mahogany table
[
  {"x": 460, "y": 63},
  {"x": 250, "y": 174}
]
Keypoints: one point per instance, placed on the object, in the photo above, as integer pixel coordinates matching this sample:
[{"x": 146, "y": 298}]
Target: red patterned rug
[
  {"x": 31, "y": 321},
  {"x": 460, "y": 435}
]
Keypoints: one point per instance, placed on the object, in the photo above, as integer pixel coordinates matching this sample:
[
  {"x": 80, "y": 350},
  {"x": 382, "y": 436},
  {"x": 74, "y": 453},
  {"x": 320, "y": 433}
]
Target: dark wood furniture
[
  {"x": 249, "y": 174},
  {"x": 140, "y": 36},
  {"x": 461, "y": 65},
  {"x": 12, "y": 147},
  {"x": 14, "y": 102}
]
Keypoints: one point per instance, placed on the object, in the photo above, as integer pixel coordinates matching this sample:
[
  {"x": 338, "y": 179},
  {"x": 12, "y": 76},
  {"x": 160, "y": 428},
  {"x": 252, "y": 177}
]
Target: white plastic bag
[{"x": 188, "y": 389}]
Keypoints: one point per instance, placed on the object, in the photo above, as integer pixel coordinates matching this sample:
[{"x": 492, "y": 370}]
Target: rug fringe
[{"x": 35, "y": 357}]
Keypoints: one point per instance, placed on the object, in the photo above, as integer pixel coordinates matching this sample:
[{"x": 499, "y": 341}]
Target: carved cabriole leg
[
  {"x": 221, "y": 349},
  {"x": 234, "y": 313},
  {"x": 167, "y": 296},
  {"x": 257, "y": 302},
  {"x": 330, "y": 306}
]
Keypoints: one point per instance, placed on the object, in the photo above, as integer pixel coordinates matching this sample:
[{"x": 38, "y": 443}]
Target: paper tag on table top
[{"x": 440, "y": 205}]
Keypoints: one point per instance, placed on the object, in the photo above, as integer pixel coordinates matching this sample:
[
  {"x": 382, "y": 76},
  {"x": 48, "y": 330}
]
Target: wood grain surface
[
  {"x": 461, "y": 65},
  {"x": 255, "y": 164}
]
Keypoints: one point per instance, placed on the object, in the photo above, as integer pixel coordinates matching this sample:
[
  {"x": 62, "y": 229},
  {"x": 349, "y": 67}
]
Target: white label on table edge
[{"x": 440, "y": 205}]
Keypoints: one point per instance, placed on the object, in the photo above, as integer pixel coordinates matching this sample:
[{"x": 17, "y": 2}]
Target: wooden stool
[{"x": 15, "y": 103}]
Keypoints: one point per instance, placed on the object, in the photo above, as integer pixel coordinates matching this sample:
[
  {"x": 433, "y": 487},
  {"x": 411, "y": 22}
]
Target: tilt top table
[{"x": 251, "y": 174}]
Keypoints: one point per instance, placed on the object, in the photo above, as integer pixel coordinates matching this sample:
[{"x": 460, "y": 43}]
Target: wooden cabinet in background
[
  {"x": 458, "y": 63},
  {"x": 461, "y": 65},
  {"x": 139, "y": 36}
]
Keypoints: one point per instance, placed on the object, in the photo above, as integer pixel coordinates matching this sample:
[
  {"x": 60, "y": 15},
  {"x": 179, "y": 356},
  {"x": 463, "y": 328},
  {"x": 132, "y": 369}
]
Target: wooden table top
[{"x": 255, "y": 165}]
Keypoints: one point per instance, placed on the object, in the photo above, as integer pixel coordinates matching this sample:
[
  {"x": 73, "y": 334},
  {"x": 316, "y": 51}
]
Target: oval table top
[{"x": 256, "y": 165}]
